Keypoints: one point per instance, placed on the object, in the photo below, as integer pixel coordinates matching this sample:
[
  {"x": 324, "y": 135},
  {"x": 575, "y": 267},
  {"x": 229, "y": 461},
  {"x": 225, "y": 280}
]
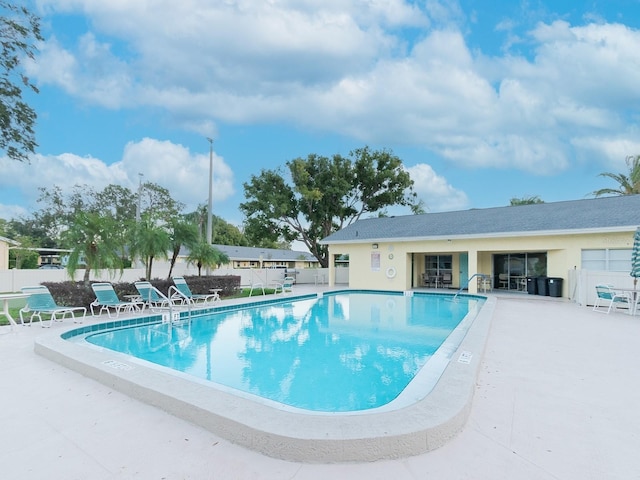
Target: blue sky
[{"x": 483, "y": 101}]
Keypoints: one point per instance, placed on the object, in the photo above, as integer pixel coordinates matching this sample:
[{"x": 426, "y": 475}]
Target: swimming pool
[
  {"x": 340, "y": 352},
  {"x": 412, "y": 423}
]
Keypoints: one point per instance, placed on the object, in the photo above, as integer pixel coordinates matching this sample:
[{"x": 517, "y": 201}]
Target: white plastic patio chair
[{"x": 609, "y": 297}]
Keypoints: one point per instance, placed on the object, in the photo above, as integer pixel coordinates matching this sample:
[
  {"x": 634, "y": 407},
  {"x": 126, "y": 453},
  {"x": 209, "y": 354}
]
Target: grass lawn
[{"x": 14, "y": 312}]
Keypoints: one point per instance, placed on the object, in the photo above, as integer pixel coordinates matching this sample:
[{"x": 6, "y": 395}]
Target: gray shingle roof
[
  {"x": 271, "y": 254},
  {"x": 253, "y": 253},
  {"x": 595, "y": 214}
]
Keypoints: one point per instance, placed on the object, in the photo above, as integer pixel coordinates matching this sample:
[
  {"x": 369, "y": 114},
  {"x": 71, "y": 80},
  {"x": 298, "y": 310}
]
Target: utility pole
[{"x": 210, "y": 209}]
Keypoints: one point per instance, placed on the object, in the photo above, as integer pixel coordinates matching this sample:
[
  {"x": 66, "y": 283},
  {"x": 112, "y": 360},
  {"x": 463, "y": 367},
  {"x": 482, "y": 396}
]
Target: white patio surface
[{"x": 558, "y": 397}]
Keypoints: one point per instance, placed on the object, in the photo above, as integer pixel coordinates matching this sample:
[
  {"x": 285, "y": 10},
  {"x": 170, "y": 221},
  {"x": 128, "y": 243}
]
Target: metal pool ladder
[{"x": 479, "y": 275}]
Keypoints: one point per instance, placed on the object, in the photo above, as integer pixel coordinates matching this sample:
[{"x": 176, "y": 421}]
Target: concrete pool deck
[{"x": 558, "y": 397}]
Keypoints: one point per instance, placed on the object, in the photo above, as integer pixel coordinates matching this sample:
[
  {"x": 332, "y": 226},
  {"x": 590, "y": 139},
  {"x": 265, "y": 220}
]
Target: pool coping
[{"x": 303, "y": 437}]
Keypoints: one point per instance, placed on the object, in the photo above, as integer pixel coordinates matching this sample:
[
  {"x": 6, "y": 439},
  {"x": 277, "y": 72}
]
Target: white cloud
[
  {"x": 171, "y": 166},
  {"x": 174, "y": 167},
  {"x": 344, "y": 66},
  {"x": 437, "y": 194},
  {"x": 613, "y": 149},
  {"x": 7, "y": 212},
  {"x": 91, "y": 73},
  {"x": 64, "y": 170}
]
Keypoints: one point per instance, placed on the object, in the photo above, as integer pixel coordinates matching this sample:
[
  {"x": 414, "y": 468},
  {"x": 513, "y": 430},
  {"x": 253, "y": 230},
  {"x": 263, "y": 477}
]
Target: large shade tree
[
  {"x": 224, "y": 233},
  {"x": 628, "y": 183},
  {"x": 19, "y": 34},
  {"x": 322, "y": 196}
]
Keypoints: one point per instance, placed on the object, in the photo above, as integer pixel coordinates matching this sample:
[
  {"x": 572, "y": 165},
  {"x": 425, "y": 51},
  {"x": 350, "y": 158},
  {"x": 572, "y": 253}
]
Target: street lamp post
[
  {"x": 139, "y": 206},
  {"x": 210, "y": 209}
]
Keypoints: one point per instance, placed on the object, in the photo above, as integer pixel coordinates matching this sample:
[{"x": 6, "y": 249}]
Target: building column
[{"x": 472, "y": 268}]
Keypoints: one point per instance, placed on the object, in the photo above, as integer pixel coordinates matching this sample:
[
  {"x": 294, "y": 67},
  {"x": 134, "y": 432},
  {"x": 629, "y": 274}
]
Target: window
[
  {"x": 438, "y": 264},
  {"x": 611, "y": 260}
]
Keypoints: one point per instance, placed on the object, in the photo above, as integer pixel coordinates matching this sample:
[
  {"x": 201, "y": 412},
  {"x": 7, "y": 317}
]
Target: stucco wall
[
  {"x": 4, "y": 255},
  {"x": 564, "y": 253}
]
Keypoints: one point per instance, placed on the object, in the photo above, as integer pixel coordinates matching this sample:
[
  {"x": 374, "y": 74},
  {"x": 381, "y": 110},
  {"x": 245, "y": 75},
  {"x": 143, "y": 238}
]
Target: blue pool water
[{"x": 336, "y": 353}]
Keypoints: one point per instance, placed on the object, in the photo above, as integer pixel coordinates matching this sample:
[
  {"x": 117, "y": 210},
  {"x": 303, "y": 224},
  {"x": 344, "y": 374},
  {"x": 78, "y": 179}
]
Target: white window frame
[{"x": 606, "y": 259}]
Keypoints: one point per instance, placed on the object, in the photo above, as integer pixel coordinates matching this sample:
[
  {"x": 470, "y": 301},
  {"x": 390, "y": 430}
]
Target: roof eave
[{"x": 537, "y": 233}]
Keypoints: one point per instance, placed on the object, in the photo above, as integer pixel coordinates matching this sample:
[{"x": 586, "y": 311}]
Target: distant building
[
  {"x": 5, "y": 243},
  {"x": 255, "y": 257}
]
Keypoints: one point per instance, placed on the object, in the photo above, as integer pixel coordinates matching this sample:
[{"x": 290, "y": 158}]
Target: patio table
[
  {"x": 5, "y": 297},
  {"x": 633, "y": 294}
]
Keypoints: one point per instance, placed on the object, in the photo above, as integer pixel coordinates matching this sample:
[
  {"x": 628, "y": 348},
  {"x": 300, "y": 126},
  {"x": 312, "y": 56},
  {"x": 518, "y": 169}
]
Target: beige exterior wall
[
  {"x": 407, "y": 259},
  {"x": 4, "y": 255}
]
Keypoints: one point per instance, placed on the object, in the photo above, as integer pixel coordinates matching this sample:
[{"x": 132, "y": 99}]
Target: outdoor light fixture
[{"x": 374, "y": 245}]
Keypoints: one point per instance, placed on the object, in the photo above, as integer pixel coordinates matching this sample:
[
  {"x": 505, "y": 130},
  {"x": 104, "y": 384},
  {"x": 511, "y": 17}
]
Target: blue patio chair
[
  {"x": 611, "y": 298},
  {"x": 41, "y": 301},
  {"x": 107, "y": 299},
  {"x": 182, "y": 292}
]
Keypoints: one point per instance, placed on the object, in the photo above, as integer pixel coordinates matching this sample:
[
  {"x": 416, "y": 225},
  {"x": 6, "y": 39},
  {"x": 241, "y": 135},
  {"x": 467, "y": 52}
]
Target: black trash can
[
  {"x": 543, "y": 285},
  {"x": 532, "y": 285},
  {"x": 555, "y": 287}
]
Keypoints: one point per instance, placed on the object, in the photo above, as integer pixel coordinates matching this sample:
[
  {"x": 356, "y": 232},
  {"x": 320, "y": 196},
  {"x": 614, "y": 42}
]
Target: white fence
[
  {"x": 13, "y": 280},
  {"x": 582, "y": 284}
]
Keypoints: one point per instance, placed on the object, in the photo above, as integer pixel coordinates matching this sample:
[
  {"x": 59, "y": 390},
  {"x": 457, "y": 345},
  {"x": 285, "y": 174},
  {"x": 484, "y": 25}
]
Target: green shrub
[{"x": 76, "y": 294}]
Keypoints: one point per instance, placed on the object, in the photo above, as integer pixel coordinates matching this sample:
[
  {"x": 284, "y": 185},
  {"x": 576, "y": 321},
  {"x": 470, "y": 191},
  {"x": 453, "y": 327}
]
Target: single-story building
[
  {"x": 509, "y": 245},
  {"x": 5, "y": 243},
  {"x": 255, "y": 257}
]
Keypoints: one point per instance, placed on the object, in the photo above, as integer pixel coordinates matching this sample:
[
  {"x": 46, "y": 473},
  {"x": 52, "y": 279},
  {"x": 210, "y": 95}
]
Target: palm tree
[
  {"x": 206, "y": 255},
  {"x": 628, "y": 184},
  {"x": 183, "y": 232},
  {"x": 93, "y": 239},
  {"x": 149, "y": 240}
]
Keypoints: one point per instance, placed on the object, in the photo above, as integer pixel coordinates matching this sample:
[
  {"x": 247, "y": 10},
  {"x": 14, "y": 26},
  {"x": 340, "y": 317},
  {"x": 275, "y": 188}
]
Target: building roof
[
  {"x": 8, "y": 241},
  {"x": 253, "y": 254},
  {"x": 603, "y": 214},
  {"x": 268, "y": 254}
]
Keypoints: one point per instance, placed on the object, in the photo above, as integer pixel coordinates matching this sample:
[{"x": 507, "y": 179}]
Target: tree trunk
[
  {"x": 149, "y": 265},
  {"x": 174, "y": 257}
]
